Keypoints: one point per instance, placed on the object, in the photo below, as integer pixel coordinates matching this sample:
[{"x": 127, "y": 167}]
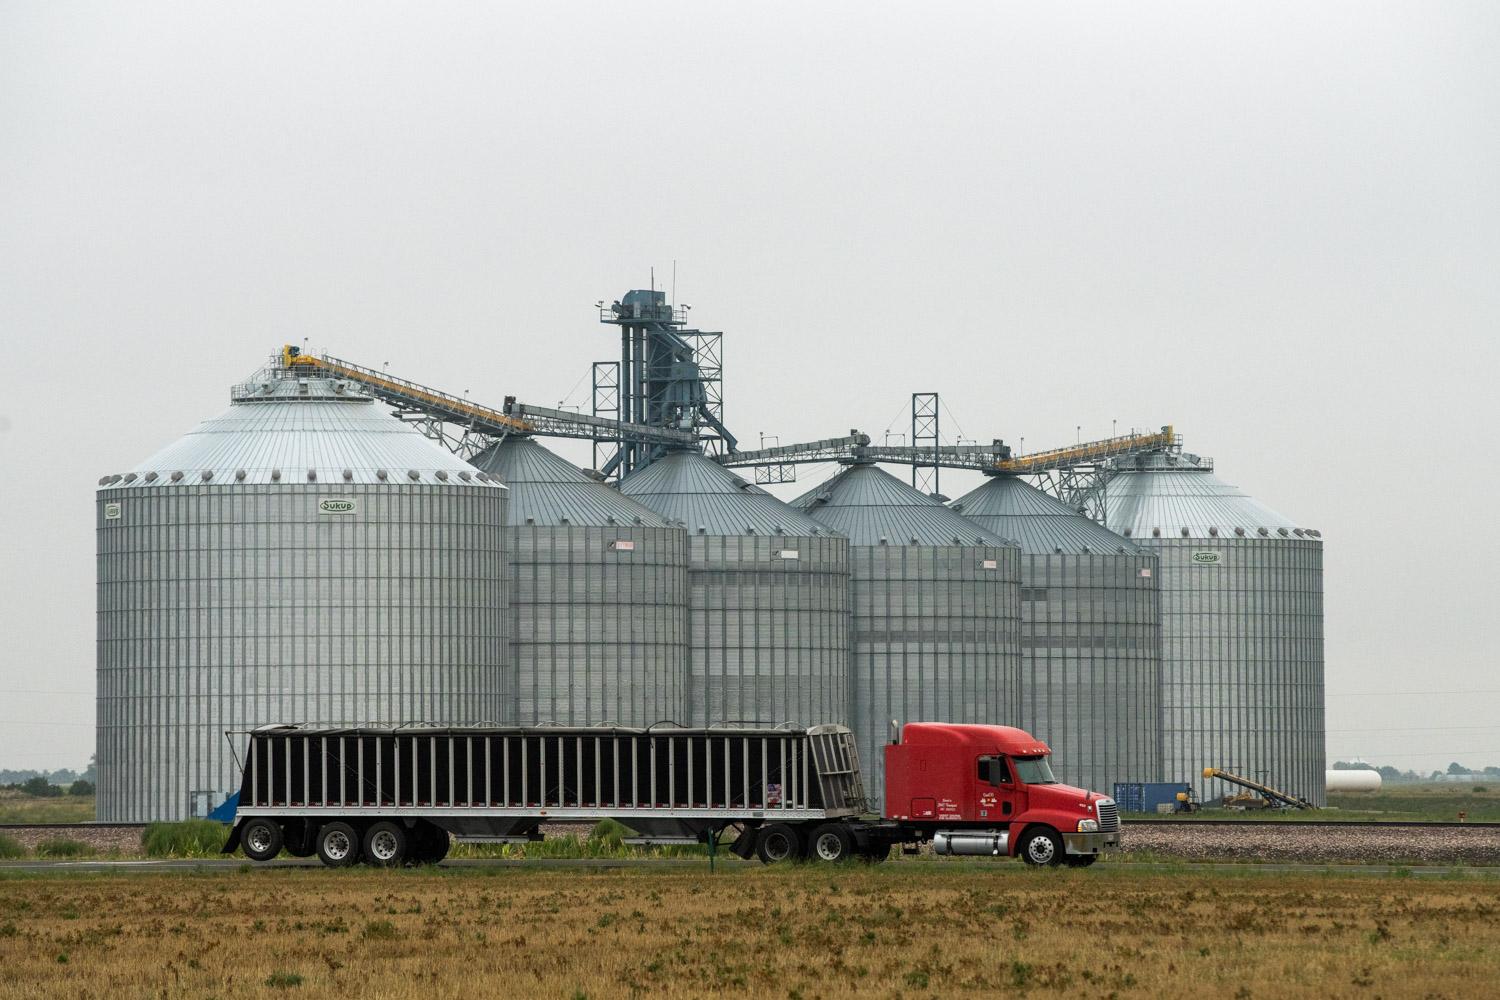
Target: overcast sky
[{"x": 1274, "y": 226}]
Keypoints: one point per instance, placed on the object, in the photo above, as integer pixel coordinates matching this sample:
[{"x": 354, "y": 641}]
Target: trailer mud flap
[
  {"x": 233, "y": 843},
  {"x": 744, "y": 844}
]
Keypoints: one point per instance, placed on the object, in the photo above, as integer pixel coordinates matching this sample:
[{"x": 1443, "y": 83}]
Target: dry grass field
[{"x": 900, "y": 931}]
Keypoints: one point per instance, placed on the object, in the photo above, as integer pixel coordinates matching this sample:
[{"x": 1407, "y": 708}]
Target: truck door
[{"x": 996, "y": 794}]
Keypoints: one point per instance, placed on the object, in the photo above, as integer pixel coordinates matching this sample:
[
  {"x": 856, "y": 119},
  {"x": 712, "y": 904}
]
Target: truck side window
[{"x": 992, "y": 771}]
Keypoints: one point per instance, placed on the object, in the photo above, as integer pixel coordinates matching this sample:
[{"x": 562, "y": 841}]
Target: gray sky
[{"x": 1271, "y": 225}]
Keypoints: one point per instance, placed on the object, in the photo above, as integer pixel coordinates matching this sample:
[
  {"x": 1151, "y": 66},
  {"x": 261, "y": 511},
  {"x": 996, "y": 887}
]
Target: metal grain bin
[
  {"x": 303, "y": 557},
  {"x": 936, "y": 610},
  {"x": 768, "y": 614},
  {"x": 1090, "y": 635},
  {"x": 598, "y": 595},
  {"x": 1242, "y": 625}
]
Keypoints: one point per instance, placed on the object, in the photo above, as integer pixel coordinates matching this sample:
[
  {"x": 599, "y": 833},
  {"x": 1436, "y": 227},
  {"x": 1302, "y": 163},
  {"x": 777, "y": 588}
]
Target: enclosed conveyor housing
[{"x": 504, "y": 782}]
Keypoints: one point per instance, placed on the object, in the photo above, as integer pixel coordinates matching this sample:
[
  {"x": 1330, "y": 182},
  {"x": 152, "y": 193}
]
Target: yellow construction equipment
[{"x": 1268, "y": 794}]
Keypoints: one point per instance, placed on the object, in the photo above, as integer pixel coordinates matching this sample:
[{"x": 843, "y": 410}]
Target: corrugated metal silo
[
  {"x": 303, "y": 557},
  {"x": 768, "y": 615},
  {"x": 1242, "y": 625},
  {"x": 1090, "y": 635},
  {"x": 936, "y": 610},
  {"x": 598, "y": 594}
]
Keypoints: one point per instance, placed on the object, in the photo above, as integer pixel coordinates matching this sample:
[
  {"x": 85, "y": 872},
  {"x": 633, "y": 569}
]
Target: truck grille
[{"x": 1109, "y": 816}]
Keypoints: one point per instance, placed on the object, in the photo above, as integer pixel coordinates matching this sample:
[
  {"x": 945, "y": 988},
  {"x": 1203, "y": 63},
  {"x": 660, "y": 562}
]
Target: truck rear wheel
[
  {"x": 385, "y": 844},
  {"x": 831, "y": 843},
  {"x": 261, "y": 838},
  {"x": 778, "y": 842},
  {"x": 338, "y": 845},
  {"x": 1041, "y": 846}
]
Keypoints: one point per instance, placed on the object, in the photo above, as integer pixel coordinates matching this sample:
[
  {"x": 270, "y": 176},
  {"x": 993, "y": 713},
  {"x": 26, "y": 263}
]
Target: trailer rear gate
[{"x": 554, "y": 772}]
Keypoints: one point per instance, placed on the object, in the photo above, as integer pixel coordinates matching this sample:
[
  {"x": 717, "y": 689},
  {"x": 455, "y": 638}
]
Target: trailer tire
[
  {"x": 338, "y": 845},
  {"x": 300, "y": 838},
  {"x": 831, "y": 843},
  {"x": 428, "y": 844},
  {"x": 1041, "y": 846},
  {"x": 261, "y": 838},
  {"x": 386, "y": 844},
  {"x": 777, "y": 843}
]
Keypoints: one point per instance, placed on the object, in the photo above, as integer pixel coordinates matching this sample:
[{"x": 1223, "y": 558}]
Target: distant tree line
[
  {"x": 1394, "y": 774},
  {"x": 51, "y": 783}
]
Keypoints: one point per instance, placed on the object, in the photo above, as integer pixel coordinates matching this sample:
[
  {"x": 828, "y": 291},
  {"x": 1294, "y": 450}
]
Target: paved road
[{"x": 234, "y": 864}]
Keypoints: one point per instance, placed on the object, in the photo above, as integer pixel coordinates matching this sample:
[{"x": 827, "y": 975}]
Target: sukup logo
[
  {"x": 336, "y": 505},
  {"x": 1207, "y": 558}
]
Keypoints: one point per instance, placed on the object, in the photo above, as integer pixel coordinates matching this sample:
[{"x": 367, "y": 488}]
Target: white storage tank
[
  {"x": 1352, "y": 780},
  {"x": 303, "y": 557}
]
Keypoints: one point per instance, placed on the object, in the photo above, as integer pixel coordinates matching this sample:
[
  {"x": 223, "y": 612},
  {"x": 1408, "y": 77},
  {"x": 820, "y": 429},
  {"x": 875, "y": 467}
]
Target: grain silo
[
  {"x": 304, "y": 557},
  {"x": 1090, "y": 635},
  {"x": 1242, "y": 625},
  {"x": 768, "y": 614},
  {"x": 598, "y": 595},
  {"x": 936, "y": 610}
]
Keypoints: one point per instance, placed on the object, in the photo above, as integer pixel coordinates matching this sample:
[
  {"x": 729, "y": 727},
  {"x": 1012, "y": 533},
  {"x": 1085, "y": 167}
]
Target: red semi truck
[{"x": 389, "y": 796}]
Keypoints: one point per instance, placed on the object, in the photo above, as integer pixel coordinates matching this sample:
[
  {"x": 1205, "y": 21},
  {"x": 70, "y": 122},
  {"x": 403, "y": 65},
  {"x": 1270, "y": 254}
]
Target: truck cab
[{"x": 989, "y": 790}]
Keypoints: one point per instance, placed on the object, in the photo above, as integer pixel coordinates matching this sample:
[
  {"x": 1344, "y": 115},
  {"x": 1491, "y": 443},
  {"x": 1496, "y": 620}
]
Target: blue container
[{"x": 1145, "y": 796}]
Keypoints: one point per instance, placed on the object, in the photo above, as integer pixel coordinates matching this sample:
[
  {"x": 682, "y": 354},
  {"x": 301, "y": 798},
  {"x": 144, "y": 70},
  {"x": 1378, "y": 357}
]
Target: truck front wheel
[
  {"x": 832, "y": 843},
  {"x": 777, "y": 842},
  {"x": 261, "y": 838},
  {"x": 1041, "y": 846}
]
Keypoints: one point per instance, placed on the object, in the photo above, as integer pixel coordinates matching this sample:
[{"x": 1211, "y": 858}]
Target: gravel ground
[
  {"x": 124, "y": 839},
  {"x": 1296, "y": 842}
]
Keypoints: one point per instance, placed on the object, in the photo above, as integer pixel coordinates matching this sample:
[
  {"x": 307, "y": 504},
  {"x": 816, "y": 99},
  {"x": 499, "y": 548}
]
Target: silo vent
[
  {"x": 1184, "y": 532},
  {"x": 1087, "y": 551},
  {"x": 275, "y": 475},
  {"x": 413, "y": 475},
  {"x": 1262, "y": 531},
  {"x": 380, "y": 474},
  {"x": 176, "y": 477},
  {"x": 1283, "y": 533},
  {"x": 348, "y": 475},
  {"x": 150, "y": 477},
  {"x": 130, "y": 477},
  {"x": 1297, "y": 532},
  {"x": 103, "y": 480},
  {"x": 239, "y": 475},
  {"x": 483, "y": 477},
  {"x": 443, "y": 475},
  {"x": 1240, "y": 532},
  {"x": 702, "y": 530},
  {"x": 1155, "y": 532},
  {"x": 465, "y": 476},
  {"x": 1057, "y": 550},
  {"x": 637, "y": 519},
  {"x": 884, "y": 540},
  {"x": 312, "y": 475},
  {"x": 1127, "y": 532},
  {"x": 531, "y": 521},
  {"x": 1214, "y": 532},
  {"x": 208, "y": 474},
  {"x": 610, "y": 520},
  {"x": 563, "y": 520}
]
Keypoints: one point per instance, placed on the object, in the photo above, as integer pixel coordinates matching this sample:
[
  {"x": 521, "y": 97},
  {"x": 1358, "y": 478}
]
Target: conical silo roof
[
  {"x": 300, "y": 430},
  {"x": 547, "y": 489},
  {"x": 1038, "y": 522},
  {"x": 709, "y": 499},
  {"x": 1172, "y": 496},
  {"x": 873, "y": 507}
]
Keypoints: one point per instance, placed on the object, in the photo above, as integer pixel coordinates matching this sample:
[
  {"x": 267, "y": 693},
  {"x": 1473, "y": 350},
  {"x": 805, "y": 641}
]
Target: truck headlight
[{"x": 1088, "y": 826}]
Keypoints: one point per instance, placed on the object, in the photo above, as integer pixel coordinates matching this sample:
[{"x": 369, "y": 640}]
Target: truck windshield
[{"x": 1034, "y": 771}]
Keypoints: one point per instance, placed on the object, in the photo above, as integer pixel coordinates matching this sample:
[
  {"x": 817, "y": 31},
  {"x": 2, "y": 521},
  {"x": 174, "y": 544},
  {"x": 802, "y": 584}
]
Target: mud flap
[
  {"x": 233, "y": 843},
  {"x": 744, "y": 844}
]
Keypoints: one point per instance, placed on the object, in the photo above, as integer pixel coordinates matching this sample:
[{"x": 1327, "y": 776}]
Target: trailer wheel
[
  {"x": 832, "y": 843},
  {"x": 1080, "y": 860},
  {"x": 261, "y": 838},
  {"x": 778, "y": 842},
  {"x": 385, "y": 844},
  {"x": 338, "y": 845},
  {"x": 1041, "y": 846},
  {"x": 428, "y": 844}
]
